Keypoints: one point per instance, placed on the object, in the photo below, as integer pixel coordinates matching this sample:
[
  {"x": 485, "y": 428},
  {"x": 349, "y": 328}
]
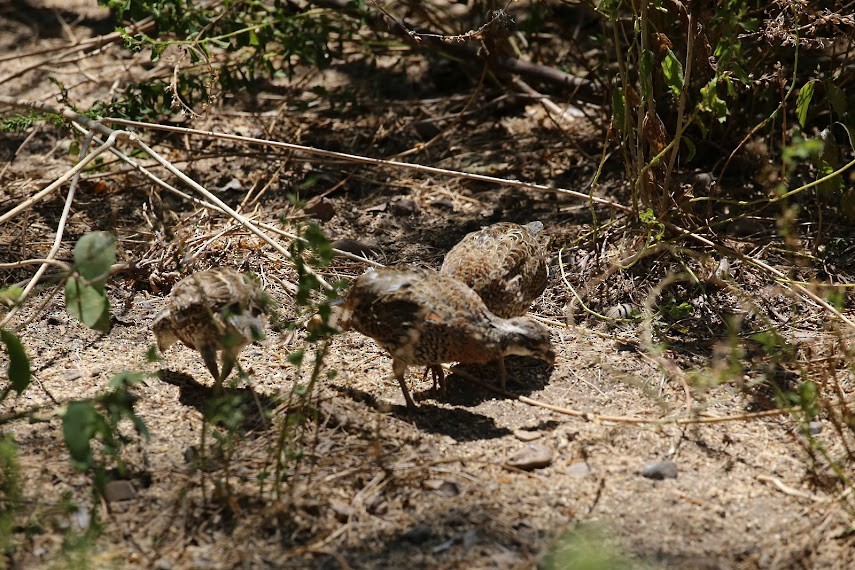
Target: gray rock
[
  {"x": 526, "y": 435},
  {"x": 119, "y": 490},
  {"x": 579, "y": 469},
  {"x": 532, "y": 456},
  {"x": 659, "y": 470},
  {"x": 403, "y": 207}
]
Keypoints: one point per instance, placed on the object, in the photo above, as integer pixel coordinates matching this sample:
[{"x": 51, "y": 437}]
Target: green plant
[
  {"x": 221, "y": 47},
  {"x": 10, "y": 492},
  {"x": 98, "y": 419},
  {"x": 85, "y": 297},
  {"x": 315, "y": 302}
]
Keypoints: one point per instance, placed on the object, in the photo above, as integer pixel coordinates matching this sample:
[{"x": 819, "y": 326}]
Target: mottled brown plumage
[
  {"x": 210, "y": 311},
  {"x": 504, "y": 263},
  {"x": 426, "y": 318}
]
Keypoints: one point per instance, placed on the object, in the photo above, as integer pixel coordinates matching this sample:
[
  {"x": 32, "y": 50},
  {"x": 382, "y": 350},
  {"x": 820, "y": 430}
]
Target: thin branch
[
  {"x": 60, "y": 231},
  {"x": 15, "y": 264},
  {"x": 374, "y": 161}
]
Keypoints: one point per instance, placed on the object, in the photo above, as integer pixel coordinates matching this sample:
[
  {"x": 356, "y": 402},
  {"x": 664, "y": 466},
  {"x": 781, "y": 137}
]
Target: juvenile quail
[
  {"x": 504, "y": 263},
  {"x": 216, "y": 310},
  {"x": 426, "y": 318}
]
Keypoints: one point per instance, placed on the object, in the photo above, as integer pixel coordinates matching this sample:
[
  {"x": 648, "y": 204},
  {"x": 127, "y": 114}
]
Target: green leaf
[
  {"x": 803, "y": 101},
  {"x": 125, "y": 379},
  {"x": 10, "y": 295},
  {"x": 672, "y": 70},
  {"x": 837, "y": 98},
  {"x": 152, "y": 354},
  {"x": 296, "y": 357},
  {"x": 93, "y": 255},
  {"x": 87, "y": 304},
  {"x": 690, "y": 149},
  {"x": 19, "y": 364},
  {"x": 79, "y": 426},
  {"x": 711, "y": 103}
]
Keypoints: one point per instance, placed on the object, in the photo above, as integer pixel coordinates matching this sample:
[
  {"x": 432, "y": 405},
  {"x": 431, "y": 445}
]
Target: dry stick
[
  {"x": 73, "y": 171},
  {"x": 94, "y": 126},
  {"x": 74, "y": 47},
  {"x": 61, "y": 264},
  {"x": 226, "y": 208},
  {"x": 222, "y": 206},
  {"x": 583, "y": 89},
  {"x": 140, "y": 26},
  {"x": 781, "y": 278},
  {"x": 165, "y": 185},
  {"x": 57, "y": 242},
  {"x": 374, "y": 161},
  {"x": 786, "y": 489}
]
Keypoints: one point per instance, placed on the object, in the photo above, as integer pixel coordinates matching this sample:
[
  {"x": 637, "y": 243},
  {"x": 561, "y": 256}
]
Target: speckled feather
[
  {"x": 213, "y": 310},
  {"x": 424, "y": 317},
  {"x": 504, "y": 263}
]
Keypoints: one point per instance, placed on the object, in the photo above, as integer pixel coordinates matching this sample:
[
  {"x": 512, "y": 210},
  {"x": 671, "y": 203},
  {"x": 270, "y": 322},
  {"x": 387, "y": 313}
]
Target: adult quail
[
  {"x": 504, "y": 263},
  {"x": 426, "y": 318},
  {"x": 216, "y": 310}
]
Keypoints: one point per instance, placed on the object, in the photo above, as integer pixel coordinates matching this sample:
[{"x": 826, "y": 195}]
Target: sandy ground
[{"x": 377, "y": 488}]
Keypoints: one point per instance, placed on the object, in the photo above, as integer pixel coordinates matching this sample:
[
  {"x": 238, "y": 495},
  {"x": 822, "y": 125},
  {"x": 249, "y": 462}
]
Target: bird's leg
[
  {"x": 209, "y": 356},
  {"x": 503, "y": 374},
  {"x": 229, "y": 360},
  {"x": 439, "y": 378},
  {"x": 399, "y": 367}
]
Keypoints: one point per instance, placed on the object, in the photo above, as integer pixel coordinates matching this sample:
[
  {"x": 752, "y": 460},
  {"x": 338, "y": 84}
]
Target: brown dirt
[{"x": 377, "y": 488}]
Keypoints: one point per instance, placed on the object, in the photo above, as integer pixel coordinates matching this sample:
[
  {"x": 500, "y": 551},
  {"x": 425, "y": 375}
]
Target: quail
[
  {"x": 423, "y": 317},
  {"x": 504, "y": 263},
  {"x": 210, "y": 311}
]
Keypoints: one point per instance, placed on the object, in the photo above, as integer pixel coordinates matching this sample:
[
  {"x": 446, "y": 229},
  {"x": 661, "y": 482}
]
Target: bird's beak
[{"x": 549, "y": 357}]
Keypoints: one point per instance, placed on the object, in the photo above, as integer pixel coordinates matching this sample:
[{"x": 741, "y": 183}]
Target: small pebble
[
  {"x": 532, "y": 456},
  {"x": 81, "y": 518},
  {"x": 72, "y": 375},
  {"x": 579, "y": 469},
  {"x": 444, "y": 204},
  {"x": 659, "y": 470},
  {"x": 119, "y": 490},
  {"x": 321, "y": 209},
  {"x": 815, "y": 427},
  {"x": 526, "y": 435},
  {"x": 233, "y": 184},
  {"x": 356, "y": 247},
  {"x": 404, "y": 207},
  {"x": 445, "y": 488}
]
